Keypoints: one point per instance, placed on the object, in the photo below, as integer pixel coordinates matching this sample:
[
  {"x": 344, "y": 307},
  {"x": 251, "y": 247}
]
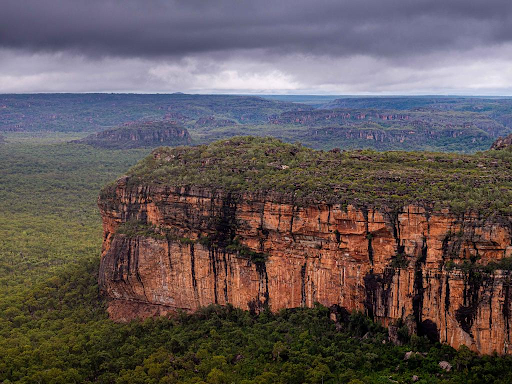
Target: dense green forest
[
  {"x": 54, "y": 327},
  {"x": 97, "y": 111}
]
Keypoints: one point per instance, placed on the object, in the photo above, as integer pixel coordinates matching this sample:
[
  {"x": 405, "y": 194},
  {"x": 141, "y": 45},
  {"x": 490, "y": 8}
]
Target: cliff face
[
  {"x": 255, "y": 250},
  {"x": 421, "y": 134},
  {"x": 139, "y": 135}
]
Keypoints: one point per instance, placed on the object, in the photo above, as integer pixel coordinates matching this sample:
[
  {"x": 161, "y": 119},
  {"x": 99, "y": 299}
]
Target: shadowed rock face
[
  {"x": 257, "y": 250},
  {"x": 502, "y": 143},
  {"x": 139, "y": 135}
]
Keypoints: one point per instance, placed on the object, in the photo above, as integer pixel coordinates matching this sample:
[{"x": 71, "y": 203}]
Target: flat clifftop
[
  {"x": 139, "y": 135},
  {"x": 480, "y": 182}
]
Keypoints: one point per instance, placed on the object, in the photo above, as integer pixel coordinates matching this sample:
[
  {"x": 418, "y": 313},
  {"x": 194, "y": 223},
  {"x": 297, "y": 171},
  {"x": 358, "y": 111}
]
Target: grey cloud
[
  {"x": 481, "y": 71},
  {"x": 251, "y": 46},
  {"x": 156, "y": 28}
]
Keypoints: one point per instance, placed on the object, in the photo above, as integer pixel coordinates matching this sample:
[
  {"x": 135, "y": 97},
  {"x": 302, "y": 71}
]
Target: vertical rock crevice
[
  {"x": 467, "y": 312},
  {"x": 378, "y": 289},
  {"x": 193, "y": 273},
  {"x": 419, "y": 289},
  {"x": 369, "y": 236},
  {"x": 303, "y": 284}
]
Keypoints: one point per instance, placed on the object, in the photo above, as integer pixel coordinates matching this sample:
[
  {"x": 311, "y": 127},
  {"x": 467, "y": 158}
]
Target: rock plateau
[
  {"x": 139, "y": 135},
  {"x": 169, "y": 248}
]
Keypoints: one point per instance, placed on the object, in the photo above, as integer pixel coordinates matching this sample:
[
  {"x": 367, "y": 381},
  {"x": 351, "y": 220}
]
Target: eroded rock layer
[
  {"x": 140, "y": 135},
  {"x": 199, "y": 247}
]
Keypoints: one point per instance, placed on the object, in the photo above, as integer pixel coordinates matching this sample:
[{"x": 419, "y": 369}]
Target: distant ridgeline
[
  {"x": 461, "y": 124},
  {"x": 384, "y": 129},
  {"x": 140, "y": 135},
  {"x": 95, "y": 112}
]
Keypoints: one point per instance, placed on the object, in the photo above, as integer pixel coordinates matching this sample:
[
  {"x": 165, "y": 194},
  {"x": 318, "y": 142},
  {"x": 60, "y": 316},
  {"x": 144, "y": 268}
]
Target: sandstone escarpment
[
  {"x": 408, "y": 264},
  {"x": 139, "y": 135},
  {"x": 418, "y": 239}
]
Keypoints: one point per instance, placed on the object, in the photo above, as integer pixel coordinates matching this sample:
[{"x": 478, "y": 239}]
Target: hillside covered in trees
[{"x": 455, "y": 124}]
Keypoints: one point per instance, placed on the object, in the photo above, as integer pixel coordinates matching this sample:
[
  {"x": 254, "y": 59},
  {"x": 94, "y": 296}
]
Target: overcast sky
[{"x": 257, "y": 46}]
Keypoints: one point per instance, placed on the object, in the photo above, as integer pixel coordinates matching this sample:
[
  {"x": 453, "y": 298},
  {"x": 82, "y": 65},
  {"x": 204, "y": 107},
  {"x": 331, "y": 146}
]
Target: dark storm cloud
[
  {"x": 152, "y": 28},
  {"x": 251, "y": 46}
]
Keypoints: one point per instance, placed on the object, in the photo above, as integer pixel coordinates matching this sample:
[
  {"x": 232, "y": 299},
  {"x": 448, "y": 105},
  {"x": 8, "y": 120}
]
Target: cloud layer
[{"x": 364, "y": 46}]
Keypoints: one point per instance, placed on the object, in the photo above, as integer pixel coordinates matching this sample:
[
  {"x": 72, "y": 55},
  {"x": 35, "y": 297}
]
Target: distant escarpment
[
  {"x": 140, "y": 135},
  {"x": 394, "y": 129},
  {"x": 502, "y": 143},
  {"x": 422, "y": 240},
  {"x": 211, "y": 121}
]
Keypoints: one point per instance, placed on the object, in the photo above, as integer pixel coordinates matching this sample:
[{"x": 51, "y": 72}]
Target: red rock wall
[{"x": 318, "y": 253}]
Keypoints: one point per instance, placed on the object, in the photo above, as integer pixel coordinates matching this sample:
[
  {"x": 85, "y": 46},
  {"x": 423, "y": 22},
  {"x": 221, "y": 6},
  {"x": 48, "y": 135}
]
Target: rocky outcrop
[
  {"x": 331, "y": 117},
  {"x": 389, "y": 129},
  {"x": 212, "y": 122},
  {"x": 168, "y": 249},
  {"x": 420, "y": 134},
  {"x": 502, "y": 143},
  {"x": 139, "y": 135}
]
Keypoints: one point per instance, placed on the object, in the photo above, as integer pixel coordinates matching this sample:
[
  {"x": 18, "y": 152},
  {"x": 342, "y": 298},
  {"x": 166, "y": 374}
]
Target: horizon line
[{"x": 262, "y": 94}]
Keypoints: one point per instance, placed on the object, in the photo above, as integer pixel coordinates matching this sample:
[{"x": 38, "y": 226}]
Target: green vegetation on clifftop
[{"x": 481, "y": 182}]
